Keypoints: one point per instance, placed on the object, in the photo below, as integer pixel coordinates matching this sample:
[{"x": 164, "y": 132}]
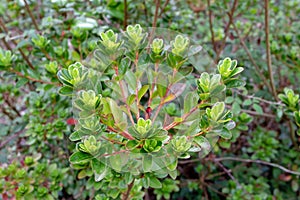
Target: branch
[
  {"x": 33, "y": 79},
  {"x": 123, "y": 133},
  {"x": 5, "y": 30},
  {"x": 7, "y": 101},
  {"x": 123, "y": 96},
  {"x": 173, "y": 124},
  {"x": 269, "y": 62},
  {"x": 157, "y": 3},
  {"x": 258, "y": 162},
  {"x": 31, "y": 15},
  {"x": 260, "y": 99},
  {"x": 258, "y": 72},
  {"x": 163, "y": 8},
  {"x": 11, "y": 137},
  {"x": 211, "y": 27},
  {"x": 250, "y": 112},
  {"x": 226, "y": 30},
  {"x": 125, "y": 14},
  {"x": 126, "y": 195}
]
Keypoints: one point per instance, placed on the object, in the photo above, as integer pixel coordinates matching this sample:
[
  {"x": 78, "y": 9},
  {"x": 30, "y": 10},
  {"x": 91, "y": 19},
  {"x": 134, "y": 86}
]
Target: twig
[
  {"x": 258, "y": 162},
  {"x": 31, "y": 15},
  {"x": 250, "y": 112},
  {"x": 157, "y": 3},
  {"x": 211, "y": 27},
  {"x": 126, "y": 195},
  {"x": 6, "y": 44},
  {"x": 123, "y": 133},
  {"x": 137, "y": 84},
  {"x": 173, "y": 124},
  {"x": 2, "y": 24},
  {"x": 33, "y": 79},
  {"x": 226, "y": 30},
  {"x": 7, "y": 101},
  {"x": 269, "y": 62},
  {"x": 11, "y": 137},
  {"x": 163, "y": 8},
  {"x": 152, "y": 87},
  {"x": 260, "y": 99},
  {"x": 292, "y": 133},
  {"x": 125, "y": 14},
  {"x": 258, "y": 72},
  {"x": 228, "y": 172},
  {"x": 7, "y": 113},
  {"x": 123, "y": 96}
]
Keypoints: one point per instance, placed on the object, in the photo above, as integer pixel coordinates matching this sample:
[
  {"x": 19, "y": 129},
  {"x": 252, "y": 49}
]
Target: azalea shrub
[{"x": 149, "y": 99}]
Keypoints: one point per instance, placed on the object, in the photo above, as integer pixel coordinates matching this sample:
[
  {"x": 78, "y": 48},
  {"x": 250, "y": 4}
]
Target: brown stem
[
  {"x": 163, "y": 8},
  {"x": 7, "y": 101},
  {"x": 153, "y": 84},
  {"x": 31, "y": 15},
  {"x": 6, "y": 44},
  {"x": 157, "y": 3},
  {"x": 253, "y": 113},
  {"x": 258, "y": 162},
  {"x": 226, "y": 30},
  {"x": 47, "y": 54},
  {"x": 173, "y": 124},
  {"x": 292, "y": 133},
  {"x": 11, "y": 138},
  {"x": 258, "y": 72},
  {"x": 269, "y": 62},
  {"x": 123, "y": 133},
  {"x": 7, "y": 113},
  {"x": 136, "y": 90},
  {"x": 211, "y": 27},
  {"x": 164, "y": 97},
  {"x": 123, "y": 96},
  {"x": 154, "y": 22},
  {"x": 2, "y": 24},
  {"x": 125, "y": 14},
  {"x": 33, "y": 79},
  {"x": 126, "y": 195}
]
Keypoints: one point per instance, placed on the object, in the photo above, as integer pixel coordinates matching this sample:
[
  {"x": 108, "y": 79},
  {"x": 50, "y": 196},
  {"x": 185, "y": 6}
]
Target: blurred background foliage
[{"x": 261, "y": 161}]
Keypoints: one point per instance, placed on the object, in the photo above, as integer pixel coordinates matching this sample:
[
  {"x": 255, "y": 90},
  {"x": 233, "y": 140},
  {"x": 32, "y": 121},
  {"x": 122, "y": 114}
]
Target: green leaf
[
  {"x": 217, "y": 110},
  {"x": 146, "y": 182},
  {"x": 236, "y": 108},
  {"x": 161, "y": 90},
  {"x": 75, "y": 136},
  {"x": 173, "y": 174},
  {"x": 247, "y": 102},
  {"x": 131, "y": 80},
  {"x": 202, "y": 142},
  {"x": 147, "y": 162},
  {"x": 142, "y": 91},
  {"x": 190, "y": 101},
  {"x": 130, "y": 99},
  {"x": 80, "y": 157},
  {"x": 223, "y": 133},
  {"x": 65, "y": 90},
  {"x": 116, "y": 162},
  {"x": 236, "y": 71},
  {"x": 173, "y": 165},
  {"x": 235, "y": 83},
  {"x": 115, "y": 110},
  {"x": 155, "y": 183},
  {"x": 99, "y": 169},
  {"x": 21, "y": 82},
  {"x": 258, "y": 108},
  {"x": 132, "y": 144},
  {"x": 185, "y": 71}
]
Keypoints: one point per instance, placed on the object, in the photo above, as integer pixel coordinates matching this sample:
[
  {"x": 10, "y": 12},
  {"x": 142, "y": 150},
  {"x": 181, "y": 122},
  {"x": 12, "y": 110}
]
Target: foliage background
[{"x": 36, "y": 121}]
